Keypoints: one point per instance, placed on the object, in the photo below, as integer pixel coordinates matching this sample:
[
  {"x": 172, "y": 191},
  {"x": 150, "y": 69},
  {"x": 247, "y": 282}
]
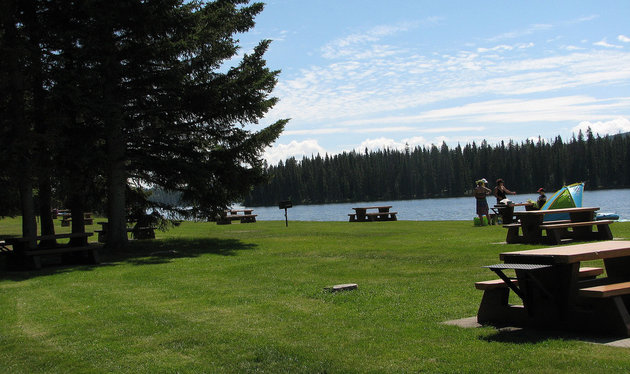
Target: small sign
[{"x": 285, "y": 204}]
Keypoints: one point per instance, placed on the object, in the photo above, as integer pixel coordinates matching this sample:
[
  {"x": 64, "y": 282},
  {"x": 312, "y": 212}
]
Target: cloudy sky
[{"x": 366, "y": 73}]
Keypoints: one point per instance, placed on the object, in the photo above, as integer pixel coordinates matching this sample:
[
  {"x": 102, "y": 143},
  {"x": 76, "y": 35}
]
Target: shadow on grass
[
  {"x": 535, "y": 336},
  {"x": 140, "y": 252}
]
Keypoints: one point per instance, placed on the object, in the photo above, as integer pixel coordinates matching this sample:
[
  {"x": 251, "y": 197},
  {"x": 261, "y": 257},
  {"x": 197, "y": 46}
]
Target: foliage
[
  {"x": 101, "y": 95},
  {"x": 250, "y": 298},
  {"x": 427, "y": 172}
]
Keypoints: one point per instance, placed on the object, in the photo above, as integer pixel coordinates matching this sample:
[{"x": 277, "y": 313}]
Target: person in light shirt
[{"x": 480, "y": 193}]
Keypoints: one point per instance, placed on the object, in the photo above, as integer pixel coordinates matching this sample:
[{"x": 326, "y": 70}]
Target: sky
[{"x": 359, "y": 74}]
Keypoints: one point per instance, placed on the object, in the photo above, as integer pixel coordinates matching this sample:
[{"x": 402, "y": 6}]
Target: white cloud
[
  {"x": 356, "y": 91},
  {"x": 524, "y": 32},
  {"x": 623, "y": 38},
  {"x": 605, "y": 44},
  {"x": 388, "y": 143},
  {"x": 294, "y": 149},
  {"x": 501, "y": 47},
  {"x": 354, "y": 45},
  {"x": 379, "y": 143},
  {"x": 615, "y": 126},
  {"x": 555, "y": 109}
]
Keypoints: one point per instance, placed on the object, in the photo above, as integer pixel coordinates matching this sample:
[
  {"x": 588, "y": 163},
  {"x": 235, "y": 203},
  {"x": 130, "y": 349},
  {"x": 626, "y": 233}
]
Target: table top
[
  {"x": 512, "y": 204},
  {"x": 554, "y": 211},
  {"x": 374, "y": 207},
  {"x": 574, "y": 253}
]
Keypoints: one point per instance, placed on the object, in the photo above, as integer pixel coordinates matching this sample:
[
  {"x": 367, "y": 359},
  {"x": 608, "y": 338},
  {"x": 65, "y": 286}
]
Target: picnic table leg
[
  {"x": 36, "y": 262},
  {"x": 618, "y": 268},
  {"x": 493, "y": 303},
  {"x": 93, "y": 256},
  {"x": 603, "y": 232},
  {"x": 554, "y": 236},
  {"x": 512, "y": 236},
  {"x": 361, "y": 215}
]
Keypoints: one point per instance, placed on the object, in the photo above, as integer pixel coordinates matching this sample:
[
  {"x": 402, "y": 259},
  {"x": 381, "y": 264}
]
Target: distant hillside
[{"x": 622, "y": 135}]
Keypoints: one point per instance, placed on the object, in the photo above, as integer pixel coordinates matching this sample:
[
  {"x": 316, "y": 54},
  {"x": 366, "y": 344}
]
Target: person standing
[
  {"x": 480, "y": 193},
  {"x": 501, "y": 192}
]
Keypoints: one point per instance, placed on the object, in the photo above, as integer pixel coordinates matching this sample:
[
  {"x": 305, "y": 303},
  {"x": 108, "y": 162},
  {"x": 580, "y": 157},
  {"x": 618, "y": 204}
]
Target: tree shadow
[
  {"x": 148, "y": 252},
  {"x": 137, "y": 252}
]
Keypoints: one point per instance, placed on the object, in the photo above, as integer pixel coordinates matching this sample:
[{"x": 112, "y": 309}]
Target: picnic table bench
[
  {"x": 137, "y": 232},
  {"x": 383, "y": 214},
  {"x": 59, "y": 212},
  {"x": 581, "y": 222},
  {"x": 233, "y": 215},
  {"x": 557, "y": 293},
  {"x": 78, "y": 248}
]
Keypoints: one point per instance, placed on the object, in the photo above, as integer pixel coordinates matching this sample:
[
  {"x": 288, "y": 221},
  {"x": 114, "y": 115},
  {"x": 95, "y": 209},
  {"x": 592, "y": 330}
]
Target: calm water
[{"x": 452, "y": 209}]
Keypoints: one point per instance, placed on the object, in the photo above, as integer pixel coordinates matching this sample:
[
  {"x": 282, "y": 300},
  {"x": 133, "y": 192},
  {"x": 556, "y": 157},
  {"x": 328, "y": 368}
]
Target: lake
[{"x": 449, "y": 209}]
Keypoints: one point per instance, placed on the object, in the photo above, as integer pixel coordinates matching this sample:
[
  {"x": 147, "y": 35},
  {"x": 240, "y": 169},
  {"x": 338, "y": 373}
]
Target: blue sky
[{"x": 364, "y": 73}]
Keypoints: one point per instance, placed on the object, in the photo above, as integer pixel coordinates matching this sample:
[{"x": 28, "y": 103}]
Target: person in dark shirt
[
  {"x": 500, "y": 191},
  {"x": 542, "y": 199}
]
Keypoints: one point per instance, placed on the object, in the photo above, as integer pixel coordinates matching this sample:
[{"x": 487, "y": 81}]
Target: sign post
[{"x": 285, "y": 205}]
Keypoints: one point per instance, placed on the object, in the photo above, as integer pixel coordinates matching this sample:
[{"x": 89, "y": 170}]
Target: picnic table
[
  {"x": 66, "y": 219},
  {"x": 233, "y": 214},
  {"x": 506, "y": 211},
  {"x": 137, "y": 232},
  {"x": 581, "y": 222},
  {"x": 361, "y": 214},
  {"x": 28, "y": 251},
  {"x": 557, "y": 293}
]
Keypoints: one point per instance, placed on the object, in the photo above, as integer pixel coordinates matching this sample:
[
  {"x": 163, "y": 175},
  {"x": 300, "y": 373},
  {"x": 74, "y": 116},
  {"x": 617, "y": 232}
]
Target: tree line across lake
[{"x": 430, "y": 172}]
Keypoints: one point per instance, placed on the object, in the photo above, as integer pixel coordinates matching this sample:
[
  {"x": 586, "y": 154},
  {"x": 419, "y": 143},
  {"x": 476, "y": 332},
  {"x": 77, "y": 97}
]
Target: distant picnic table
[
  {"x": 361, "y": 214},
  {"x": 137, "y": 231},
  {"x": 233, "y": 215}
]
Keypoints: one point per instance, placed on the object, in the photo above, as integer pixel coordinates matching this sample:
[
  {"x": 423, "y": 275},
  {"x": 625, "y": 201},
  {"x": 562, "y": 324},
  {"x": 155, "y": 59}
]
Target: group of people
[{"x": 500, "y": 192}]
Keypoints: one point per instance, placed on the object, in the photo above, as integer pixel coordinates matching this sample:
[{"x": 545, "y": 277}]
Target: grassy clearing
[{"x": 249, "y": 298}]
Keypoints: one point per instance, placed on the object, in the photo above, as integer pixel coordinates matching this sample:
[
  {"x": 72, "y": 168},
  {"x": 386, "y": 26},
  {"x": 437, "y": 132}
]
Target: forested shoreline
[{"x": 439, "y": 171}]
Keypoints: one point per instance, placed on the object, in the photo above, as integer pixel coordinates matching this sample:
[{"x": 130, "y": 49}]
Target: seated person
[{"x": 542, "y": 199}]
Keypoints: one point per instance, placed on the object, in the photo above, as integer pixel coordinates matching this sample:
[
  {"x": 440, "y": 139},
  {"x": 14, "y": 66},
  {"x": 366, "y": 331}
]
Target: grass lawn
[{"x": 204, "y": 298}]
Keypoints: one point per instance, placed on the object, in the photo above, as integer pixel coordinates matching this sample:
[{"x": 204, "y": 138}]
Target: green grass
[{"x": 241, "y": 298}]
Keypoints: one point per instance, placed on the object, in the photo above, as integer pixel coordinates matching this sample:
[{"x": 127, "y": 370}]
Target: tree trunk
[
  {"x": 78, "y": 223},
  {"x": 29, "y": 221},
  {"x": 22, "y": 144},
  {"x": 47, "y": 225},
  {"x": 117, "y": 184}
]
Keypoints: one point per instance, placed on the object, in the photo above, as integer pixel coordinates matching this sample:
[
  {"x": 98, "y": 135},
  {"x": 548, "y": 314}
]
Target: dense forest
[{"x": 429, "y": 172}]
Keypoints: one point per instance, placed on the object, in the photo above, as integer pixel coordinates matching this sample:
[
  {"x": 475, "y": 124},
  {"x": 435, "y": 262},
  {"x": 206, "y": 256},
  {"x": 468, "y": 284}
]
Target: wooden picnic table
[
  {"x": 555, "y": 293},
  {"x": 66, "y": 219},
  {"x": 581, "y": 221},
  {"x": 27, "y": 251},
  {"x": 361, "y": 214},
  {"x": 137, "y": 232},
  {"x": 233, "y": 214},
  {"x": 506, "y": 211}
]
